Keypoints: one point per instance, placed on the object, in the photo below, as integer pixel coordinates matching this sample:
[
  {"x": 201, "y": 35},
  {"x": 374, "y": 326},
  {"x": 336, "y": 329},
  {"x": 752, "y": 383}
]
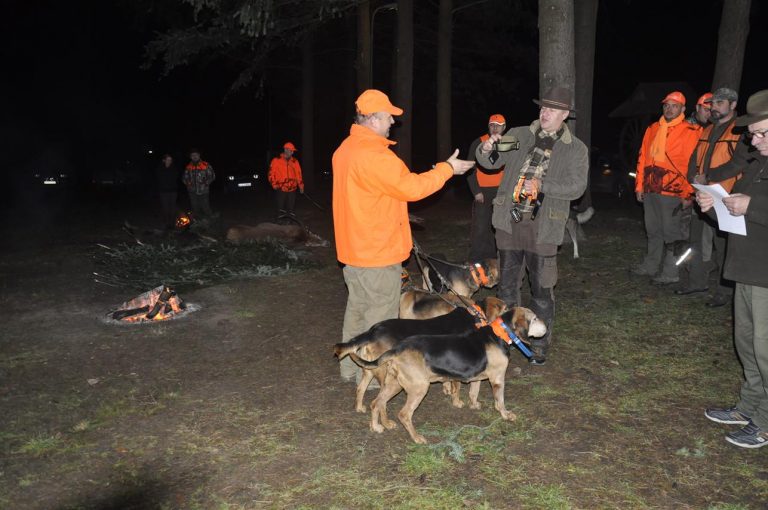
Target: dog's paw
[
  {"x": 376, "y": 427},
  {"x": 389, "y": 424},
  {"x": 361, "y": 408},
  {"x": 474, "y": 405},
  {"x": 508, "y": 415},
  {"x": 418, "y": 438},
  {"x": 457, "y": 403}
]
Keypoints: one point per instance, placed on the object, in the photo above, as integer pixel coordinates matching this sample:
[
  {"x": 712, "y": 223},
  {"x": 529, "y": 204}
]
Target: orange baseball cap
[
  {"x": 289, "y": 146},
  {"x": 675, "y": 97},
  {"x": 497, "y": 118},
  {"x": 372, "y": 101},
  {"x": 705, "y": 100}
]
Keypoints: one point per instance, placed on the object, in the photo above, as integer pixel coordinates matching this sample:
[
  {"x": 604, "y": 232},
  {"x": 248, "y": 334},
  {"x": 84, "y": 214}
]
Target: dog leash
[{"x": 417, "y": 251}]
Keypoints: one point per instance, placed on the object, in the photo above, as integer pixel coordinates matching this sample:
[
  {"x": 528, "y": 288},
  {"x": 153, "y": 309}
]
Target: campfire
[{"x": 158, "y": 304}]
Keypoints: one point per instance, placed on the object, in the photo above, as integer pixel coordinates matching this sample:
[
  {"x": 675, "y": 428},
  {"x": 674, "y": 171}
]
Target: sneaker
[
  {"x": 718, "y": 300},
  {"x": 537, "y": 360},
  {"x": 750, "y": 436},
  {"x": 728, "y": 416},
  {"x": 640, "y": 271}
]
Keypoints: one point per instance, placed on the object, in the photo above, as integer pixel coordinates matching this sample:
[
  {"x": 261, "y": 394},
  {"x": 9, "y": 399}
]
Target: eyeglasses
[{"x": 757, "y": 134}]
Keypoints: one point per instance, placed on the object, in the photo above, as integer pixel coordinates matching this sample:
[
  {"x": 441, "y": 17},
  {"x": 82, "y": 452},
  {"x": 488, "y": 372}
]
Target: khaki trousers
[{"x": 374, "y": 296}]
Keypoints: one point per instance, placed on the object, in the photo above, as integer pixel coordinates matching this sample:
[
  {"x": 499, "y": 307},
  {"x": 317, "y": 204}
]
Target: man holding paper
[{"x": 745, "y": 264}]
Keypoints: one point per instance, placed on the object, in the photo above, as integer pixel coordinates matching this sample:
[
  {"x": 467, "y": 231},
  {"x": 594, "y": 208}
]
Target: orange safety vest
[
  {"x": 485, "y": 180},
  {"x": 667, "y": 175},
  {"x": 721, "y": 154},
  {"x": 371, "y": 191},
  {"x": 285, "y": 174}
]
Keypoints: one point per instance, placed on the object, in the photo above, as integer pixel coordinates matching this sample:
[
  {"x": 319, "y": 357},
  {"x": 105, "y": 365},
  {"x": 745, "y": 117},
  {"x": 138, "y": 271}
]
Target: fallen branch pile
[{"x": 143, "y": 266}]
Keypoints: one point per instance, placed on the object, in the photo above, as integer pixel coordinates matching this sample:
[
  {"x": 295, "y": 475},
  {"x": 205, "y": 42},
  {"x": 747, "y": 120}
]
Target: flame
[
  {"x": 161, "y": 300},
  {"x": 183, "y": 220}
]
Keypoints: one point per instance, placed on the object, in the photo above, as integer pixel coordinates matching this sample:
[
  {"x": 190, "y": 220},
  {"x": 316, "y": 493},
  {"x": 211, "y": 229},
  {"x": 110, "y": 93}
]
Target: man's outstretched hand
[{"x": 460, "y": 166}]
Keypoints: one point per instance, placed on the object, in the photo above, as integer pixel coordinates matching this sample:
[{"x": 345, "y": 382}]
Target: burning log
[{"x": 157, "y": 304}]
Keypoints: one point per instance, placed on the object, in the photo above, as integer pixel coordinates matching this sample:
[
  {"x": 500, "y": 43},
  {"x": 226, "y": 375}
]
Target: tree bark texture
[
  {"x": 585, "y": 16},
  {"x": 556, "y": 45},
  {"x": 404, "y": 79},
  {"x": 444, "y": 34},
  {"x": 307, "y": 148},
  {"x": 363, "y": 64},
  {"x": 731, "y": 43}
]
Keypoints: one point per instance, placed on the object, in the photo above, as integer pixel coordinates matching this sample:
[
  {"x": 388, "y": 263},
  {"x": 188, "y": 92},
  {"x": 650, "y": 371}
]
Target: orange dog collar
[{"x": 478, "y": 274}]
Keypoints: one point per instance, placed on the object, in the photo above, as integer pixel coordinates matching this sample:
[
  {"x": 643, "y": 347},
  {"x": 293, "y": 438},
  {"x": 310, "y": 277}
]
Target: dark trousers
[
  {"x": 168, "y": 206},
  {"x": 286, "y": 201},
  {"x": 482, "y": 239},
  {"x": 201, "y": 204},
  {"x": 542, "y": 274},
  {"x": 698, "y": 270}
]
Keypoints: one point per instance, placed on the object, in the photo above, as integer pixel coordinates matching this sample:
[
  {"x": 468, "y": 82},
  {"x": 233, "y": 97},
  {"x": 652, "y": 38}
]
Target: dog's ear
[{"x": 494, "y": 307}]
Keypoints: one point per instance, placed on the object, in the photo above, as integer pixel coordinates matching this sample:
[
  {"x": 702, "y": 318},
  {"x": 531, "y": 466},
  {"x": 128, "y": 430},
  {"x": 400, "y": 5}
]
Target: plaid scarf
[{"x": 536, "y": 163}]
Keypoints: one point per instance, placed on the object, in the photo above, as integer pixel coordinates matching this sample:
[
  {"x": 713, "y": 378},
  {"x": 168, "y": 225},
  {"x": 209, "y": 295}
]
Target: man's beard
[{"x": 715, "y": 116}]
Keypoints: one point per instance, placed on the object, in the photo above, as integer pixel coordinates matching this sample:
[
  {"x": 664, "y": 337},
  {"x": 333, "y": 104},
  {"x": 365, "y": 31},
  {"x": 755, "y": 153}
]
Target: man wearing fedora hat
[
  {"x": 371, "y": 191},
  {"x": 533, "y": 203},
  {"x": 662, "y": 187},
  {"x": 745, "y": 265}
]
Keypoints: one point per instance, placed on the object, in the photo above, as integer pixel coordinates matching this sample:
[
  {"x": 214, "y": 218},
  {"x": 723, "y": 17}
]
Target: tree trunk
[
  {"x": 731, "y": 42},
  {"x": 307, "y": 154},
  {"x": 585, "y": 16},
  {"x": 444, "y": 33},
  {"x": 404, "y": 79},
  {"x": 364, "y": 42},
  {"x": 556, "y": 44}
]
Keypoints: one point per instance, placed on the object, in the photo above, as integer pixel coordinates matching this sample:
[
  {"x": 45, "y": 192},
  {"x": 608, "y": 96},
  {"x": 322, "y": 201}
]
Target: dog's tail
[
  {"x": 345, "y": 348},
  {"x": 380, "y": 361}
]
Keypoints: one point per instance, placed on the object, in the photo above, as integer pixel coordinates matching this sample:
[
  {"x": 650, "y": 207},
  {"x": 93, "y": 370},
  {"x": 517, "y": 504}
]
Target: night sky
[{"x": 73, "y": 80}]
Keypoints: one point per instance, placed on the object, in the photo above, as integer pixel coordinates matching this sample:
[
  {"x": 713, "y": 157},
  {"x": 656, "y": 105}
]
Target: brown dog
[
  {"x": 464, "y": 279},
  {"x": 472, "y": 357},
  {"x": 418, "y": 304},
  {"x": 385, "y": 335}
]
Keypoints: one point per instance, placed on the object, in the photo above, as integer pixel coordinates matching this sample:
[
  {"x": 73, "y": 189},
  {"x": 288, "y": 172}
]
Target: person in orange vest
[
  {"x": 484, "y": 184},
  {"x": 285, "y": 178},
  {"x": 716, "y": 147},
  {"x": 700, "y": 115},
  {"x": 198, "y": 176},
  {"x": 371, "y": 191},
  {"x": 663, "y": 189}
]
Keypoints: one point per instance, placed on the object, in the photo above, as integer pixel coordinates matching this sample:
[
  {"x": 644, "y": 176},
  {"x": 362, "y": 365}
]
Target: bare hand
[
  {"x": 737, "y": 204},
  {"x": 705, "y": 201},
  {"x": 479, "y": 198},
  {"x": 460, "y": 166},
  {"x": 488, "y": 144},
  {"x": 639, "y": 195}
]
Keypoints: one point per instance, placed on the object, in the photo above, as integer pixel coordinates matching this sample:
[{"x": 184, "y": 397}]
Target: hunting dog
[
  {"x": 471, "y": 357},
  {"x": 385, "y": 335},
  {"x": 420, "y": 304},
  {"x": 464, "y": 279}
]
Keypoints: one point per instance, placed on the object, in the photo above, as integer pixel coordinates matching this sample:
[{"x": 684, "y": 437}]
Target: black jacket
[
  {"x": 166, "y": 178},
  {"x": 745, "y": 256}
]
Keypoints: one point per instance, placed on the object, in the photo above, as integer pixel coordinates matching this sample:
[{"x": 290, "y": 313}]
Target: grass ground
[{"x": 239, "y": 405}]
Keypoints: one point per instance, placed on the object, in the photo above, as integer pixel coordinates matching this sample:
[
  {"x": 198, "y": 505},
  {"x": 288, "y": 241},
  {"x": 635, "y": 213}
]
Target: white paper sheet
[{"x": 725, "y": 221}]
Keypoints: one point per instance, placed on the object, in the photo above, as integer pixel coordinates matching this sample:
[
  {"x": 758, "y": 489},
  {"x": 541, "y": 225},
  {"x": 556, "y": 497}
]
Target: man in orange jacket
[
  {"x": 371, "y": 188},
  {"x": 663, "y": 188},
  {"x": 285, "y": 178},
  {"x": 484, "y": 184}
]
